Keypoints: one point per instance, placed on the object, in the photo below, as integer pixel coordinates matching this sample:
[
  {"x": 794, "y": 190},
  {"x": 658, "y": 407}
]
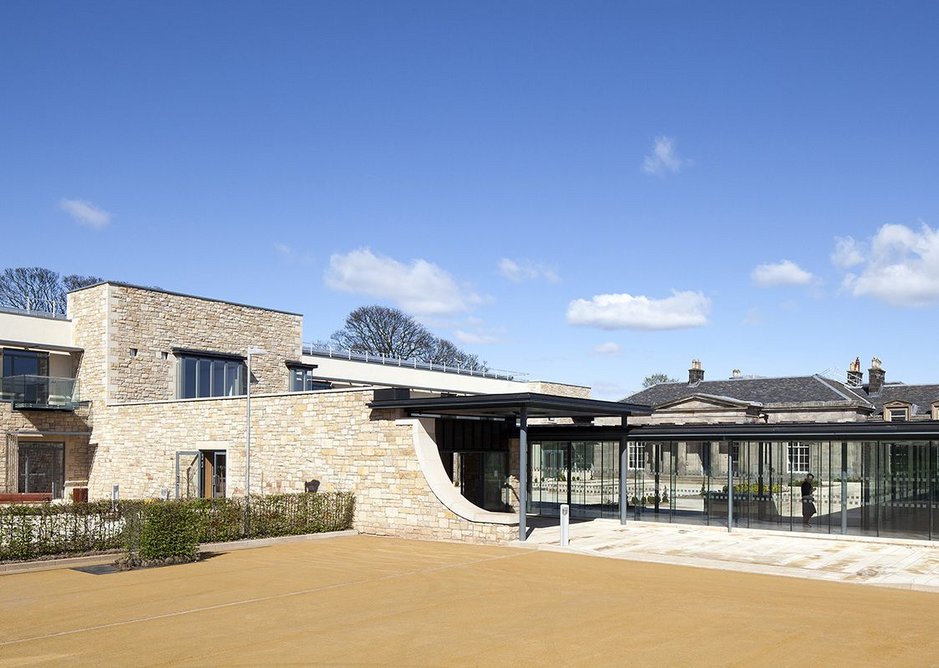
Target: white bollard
[{"x": 565, "y": 524}]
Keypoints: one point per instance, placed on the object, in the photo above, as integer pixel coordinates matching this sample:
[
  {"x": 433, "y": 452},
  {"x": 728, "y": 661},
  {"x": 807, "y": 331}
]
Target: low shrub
[
  {"x": 147, "y": 529},
  {"x": 168, "y": 531}
]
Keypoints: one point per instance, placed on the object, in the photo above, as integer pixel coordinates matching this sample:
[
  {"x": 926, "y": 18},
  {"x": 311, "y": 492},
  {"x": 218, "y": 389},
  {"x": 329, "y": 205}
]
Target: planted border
[{"x": 164, "y": 527}]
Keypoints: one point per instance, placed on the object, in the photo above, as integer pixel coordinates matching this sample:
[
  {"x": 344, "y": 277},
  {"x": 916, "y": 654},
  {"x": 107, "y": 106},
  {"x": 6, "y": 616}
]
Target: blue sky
[{"x": 587, "y": 192}]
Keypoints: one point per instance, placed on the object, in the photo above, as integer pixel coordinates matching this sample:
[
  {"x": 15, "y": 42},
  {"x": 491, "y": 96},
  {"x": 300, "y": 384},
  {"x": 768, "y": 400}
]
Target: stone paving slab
[{"x": 881, "y": 562}]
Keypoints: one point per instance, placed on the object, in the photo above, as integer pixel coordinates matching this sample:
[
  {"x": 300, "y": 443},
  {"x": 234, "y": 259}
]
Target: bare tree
[
  {"x": 77, "y": 281},
  {"x": 38, "y": 288},
  {"x": 379, "y": 330},
  {"x": 31, "y": 289},
  {"x": 657, "y": 378},
  {"x": 445, "y": 352},
  {"x": 385, "y": 331}
]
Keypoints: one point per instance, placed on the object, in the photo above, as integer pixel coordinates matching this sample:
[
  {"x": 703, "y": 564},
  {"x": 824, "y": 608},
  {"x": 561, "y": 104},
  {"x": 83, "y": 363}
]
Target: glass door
[
  {"x": 41, "y": 468},
  {"x": 219, "y": 466},
  {"x": 188, "y": 475}
]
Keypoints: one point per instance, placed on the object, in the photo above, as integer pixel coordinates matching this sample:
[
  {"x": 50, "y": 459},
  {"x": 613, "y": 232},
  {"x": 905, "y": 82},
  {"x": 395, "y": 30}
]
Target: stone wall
[
  {"x": 129, "y": 335},
  {"x": 331, "y": 437},
  {"x": 47, "y": 426},
  {"x": 559, "y": 389},
  {"x": 88, "y": 310}
]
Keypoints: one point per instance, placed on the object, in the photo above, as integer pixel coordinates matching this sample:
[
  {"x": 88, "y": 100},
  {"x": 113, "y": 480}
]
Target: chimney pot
[
  {"x": 855, "y": 377},
  {"x": 875, "y": 375}
]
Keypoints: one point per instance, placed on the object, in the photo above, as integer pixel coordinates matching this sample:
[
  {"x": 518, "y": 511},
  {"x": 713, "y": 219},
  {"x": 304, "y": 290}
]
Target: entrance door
[
  {"x": 188, "y": 475},
  {"x": 41, "y": 468},
  {"x": 482, "y": 478},
  {"x": 201, "y": 474},
  {"x": 219, "y": 462}
]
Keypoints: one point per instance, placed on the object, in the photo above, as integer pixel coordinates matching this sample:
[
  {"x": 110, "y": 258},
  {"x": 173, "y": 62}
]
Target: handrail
[
  {"x": 320, "y": 350},
  {"x": 39, "y": 391},
  {"x": 33, "y": 312}
]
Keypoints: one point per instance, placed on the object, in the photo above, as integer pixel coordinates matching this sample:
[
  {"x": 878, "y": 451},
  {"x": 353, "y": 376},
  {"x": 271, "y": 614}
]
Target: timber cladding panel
[{"x": 331, "y": 437}]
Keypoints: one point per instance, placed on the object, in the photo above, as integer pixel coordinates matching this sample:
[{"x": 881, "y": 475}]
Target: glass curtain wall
[
  {"x": 874, "y": 488},
  {"x": 583, "y": 474}
]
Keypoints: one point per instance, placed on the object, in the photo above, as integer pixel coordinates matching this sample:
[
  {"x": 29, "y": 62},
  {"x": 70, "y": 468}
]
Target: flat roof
[
  {"x": 182, "y": 294},
  {"x": 509, "y": 405}
]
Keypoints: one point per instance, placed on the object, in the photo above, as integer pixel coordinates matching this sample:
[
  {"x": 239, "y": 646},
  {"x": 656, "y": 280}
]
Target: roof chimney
[
  {"x": 735, "y": 373},
  {"x": 855, "y": 377},
  {"x": 875, "y": 377},
  {"x": 695, "y": 373}
]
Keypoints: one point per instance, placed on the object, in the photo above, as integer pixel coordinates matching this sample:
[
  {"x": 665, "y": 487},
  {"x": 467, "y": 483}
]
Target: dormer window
[
  {"x": 899, "y": 415},
  {"x": 897, "y": 412}
]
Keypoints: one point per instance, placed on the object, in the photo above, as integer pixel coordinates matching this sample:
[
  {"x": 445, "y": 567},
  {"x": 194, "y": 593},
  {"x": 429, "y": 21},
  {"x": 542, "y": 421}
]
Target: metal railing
[
  {"x": 33, "y": 312},
  {"x": 29, "y": 391},
  {"x": 321, "y": 350}
]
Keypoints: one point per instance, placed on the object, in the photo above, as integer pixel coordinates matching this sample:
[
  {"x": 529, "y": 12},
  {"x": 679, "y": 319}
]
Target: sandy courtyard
[{"x": 383, "y": 601}]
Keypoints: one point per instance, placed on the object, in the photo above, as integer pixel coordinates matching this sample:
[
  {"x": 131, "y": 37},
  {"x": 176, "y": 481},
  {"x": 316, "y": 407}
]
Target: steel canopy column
[
  {"x": 522, "y": 473},
  {"x": 623, "y": 462}
]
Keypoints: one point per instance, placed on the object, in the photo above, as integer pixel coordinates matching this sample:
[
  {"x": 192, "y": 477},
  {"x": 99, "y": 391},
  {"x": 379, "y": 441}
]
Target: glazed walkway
[{"x": 872, "y": 561}]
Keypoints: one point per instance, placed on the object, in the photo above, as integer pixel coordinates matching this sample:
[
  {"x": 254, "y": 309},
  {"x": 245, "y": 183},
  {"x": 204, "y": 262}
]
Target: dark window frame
[{"x": 198, "y": 376}]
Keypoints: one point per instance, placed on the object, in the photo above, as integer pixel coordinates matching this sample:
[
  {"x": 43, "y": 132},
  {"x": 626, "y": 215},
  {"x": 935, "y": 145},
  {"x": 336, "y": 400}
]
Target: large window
[
  {"x": 210, "y": 377},
  {"x": 302, "y": 380},
  {"x": 798, "y": 457},
  {"x": 24, "y": 363}
]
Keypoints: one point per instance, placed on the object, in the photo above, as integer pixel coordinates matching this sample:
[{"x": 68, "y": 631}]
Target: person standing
[{"x": 808, "y": 500}]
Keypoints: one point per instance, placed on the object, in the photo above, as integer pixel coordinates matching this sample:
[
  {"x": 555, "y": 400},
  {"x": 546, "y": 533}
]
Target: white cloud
[
  {"x": 900, "y": 266},
  {"x": 290, "y": 254},
  {"x": 624, "y": 311},
  {"x": 664, "y": 159},
  {"x": 526, "y": 270},
  {"x": 86, "y": 213},
  {"x": 473, "y": 338},
  {"x": 609, "y": 349},
  {"x": 848, "y": 253},
  {"x": 420, "y": 288},
  {"x": 785, "y": 272},
  {"x": 753, "y": 317}
]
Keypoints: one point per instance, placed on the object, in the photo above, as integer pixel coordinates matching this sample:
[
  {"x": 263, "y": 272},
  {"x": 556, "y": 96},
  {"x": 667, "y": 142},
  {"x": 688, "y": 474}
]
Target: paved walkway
[{"x": 883, "y": 562}]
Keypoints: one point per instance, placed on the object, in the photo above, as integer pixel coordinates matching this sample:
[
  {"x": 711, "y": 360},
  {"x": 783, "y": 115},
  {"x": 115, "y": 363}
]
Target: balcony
[{"x": 30, "y": 392}]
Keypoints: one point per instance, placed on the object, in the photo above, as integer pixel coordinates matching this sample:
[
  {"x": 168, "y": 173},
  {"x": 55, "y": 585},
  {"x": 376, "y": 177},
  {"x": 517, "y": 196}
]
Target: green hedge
[{"x": 164, "y": 527}]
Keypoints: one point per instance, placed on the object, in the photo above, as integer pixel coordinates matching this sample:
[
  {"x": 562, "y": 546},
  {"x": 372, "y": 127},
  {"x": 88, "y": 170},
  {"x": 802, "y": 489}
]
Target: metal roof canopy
[
  {"x": 852, "y": 431},
  {"x": 511, "y": 405}
]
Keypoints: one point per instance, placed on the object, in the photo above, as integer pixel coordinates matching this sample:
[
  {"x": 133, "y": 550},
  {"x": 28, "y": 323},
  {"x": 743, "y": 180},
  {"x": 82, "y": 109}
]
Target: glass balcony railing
[{"x": 40, "y": 392}]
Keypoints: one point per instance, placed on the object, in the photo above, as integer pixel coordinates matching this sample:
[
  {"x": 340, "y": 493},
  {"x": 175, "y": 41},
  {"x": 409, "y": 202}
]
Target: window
[
  {"x": 899, "y": 414},
  {"x": 24, "y": 363},
  {"x": 302, "y": 380},
  {"x": 210, "y": 377},
  {"x": 635, "y": 458},
  {"x": 798, "y": 457}
]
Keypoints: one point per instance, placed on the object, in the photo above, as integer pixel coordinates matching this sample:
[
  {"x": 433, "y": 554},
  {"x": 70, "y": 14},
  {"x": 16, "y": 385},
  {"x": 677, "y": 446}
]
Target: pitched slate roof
[
  {"x": 789, "y": 390},
  {"x": 921, "y": 396}
]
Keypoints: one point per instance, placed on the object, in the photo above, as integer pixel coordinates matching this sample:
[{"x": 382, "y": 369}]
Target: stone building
[
  {"x": 871, "y": 448},
  {"x": 145, "y": 393}
]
